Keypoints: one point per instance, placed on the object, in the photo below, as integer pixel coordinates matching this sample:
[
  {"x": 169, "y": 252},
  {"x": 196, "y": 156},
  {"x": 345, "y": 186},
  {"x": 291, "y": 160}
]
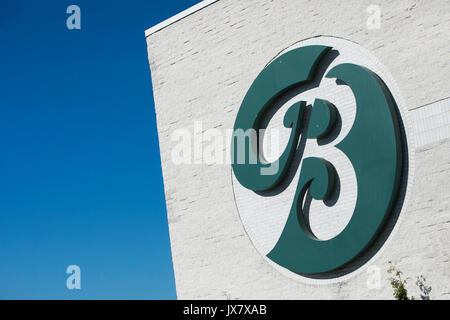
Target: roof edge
[{"x": 178, "y": 16}]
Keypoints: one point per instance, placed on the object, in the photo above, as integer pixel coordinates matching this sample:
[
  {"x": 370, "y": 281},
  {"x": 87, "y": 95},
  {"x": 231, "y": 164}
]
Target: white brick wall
[
  {"x": 431, "y": 122},
  {"x": 202, "y": 67}
]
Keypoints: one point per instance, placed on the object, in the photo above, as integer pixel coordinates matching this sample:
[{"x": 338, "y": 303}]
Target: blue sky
[{"x": 80, "y": 173}]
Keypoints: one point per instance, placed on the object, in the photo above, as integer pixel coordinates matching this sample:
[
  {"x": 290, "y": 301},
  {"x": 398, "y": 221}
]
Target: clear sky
[{"x": 80, "y": 172}]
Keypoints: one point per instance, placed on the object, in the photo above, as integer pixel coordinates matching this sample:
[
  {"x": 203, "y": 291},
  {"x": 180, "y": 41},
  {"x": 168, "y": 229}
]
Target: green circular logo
[{"x": 373, "y": 145}]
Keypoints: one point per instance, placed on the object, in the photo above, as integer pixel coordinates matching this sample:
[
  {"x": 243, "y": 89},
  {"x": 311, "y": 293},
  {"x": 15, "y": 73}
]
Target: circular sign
[{"x": 319, "y": 156}]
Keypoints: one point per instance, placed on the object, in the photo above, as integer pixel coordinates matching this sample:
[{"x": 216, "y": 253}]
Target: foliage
[
  {"x": 227, "y": 295},
  {"x": 398, "y": 283},
  {"x": 424, "y": 289}
]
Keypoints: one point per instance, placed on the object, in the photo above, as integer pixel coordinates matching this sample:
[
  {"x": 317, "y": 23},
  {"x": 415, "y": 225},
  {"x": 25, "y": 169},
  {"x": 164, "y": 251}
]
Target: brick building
[{"x": 203, "y": 62}]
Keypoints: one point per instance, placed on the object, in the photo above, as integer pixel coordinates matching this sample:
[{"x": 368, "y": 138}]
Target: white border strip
[{"x": 179, "y": 16}]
